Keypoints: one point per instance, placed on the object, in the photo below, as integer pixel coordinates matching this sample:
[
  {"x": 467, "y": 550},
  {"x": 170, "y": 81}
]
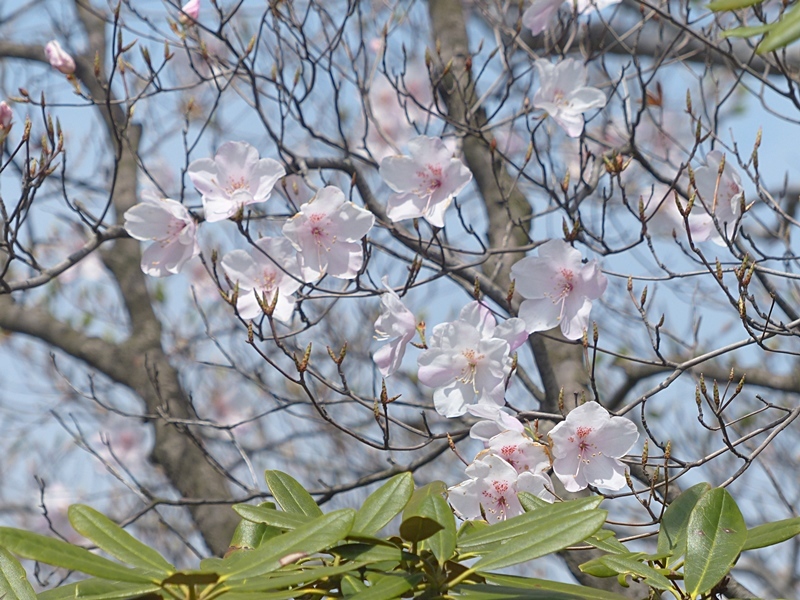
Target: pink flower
[
  {"x": 190, "y": 11},
  {"x": 468, "y": 360},
  {"x": 587, "y": 445},
  {"x": 496, "y": 421},
  {"x": 563, "y": 93},
  {"x": 327, "y": 233},
  {"x": 493, "y": 486},
  {"x": 397, "y": 324},
  {"x": 170, "y": 226},
  {"x": 58, "y": 58},
  {"x": 268, "y": 269},
  {"x": 721, "y": 196},
  {"x": 558, "y": 288},
  {"x": 520, "y": 451},
  {"x": 427, "y": 181},
  {"x": 541, "y": 13},
  {"x": 5, "y": 120},
  {"x": 235, "y": 178}
]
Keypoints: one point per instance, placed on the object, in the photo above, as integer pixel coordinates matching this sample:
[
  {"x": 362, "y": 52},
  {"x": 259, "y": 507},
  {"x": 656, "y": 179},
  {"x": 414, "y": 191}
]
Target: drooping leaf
[
  {"x": 628, "y": 565},
  {"x": 248, "y": 534},
  {"x": 389, "y": 587},
  {"x": 715, "y": 537},
  {"x": 486, "y": 538},
  {"x": 785, "y": 31},
  {"x": 418, "y": 523},
  {"x": 606, "y": 540},
  {"x": 272, "y": 517},
  {"x": 97, "y": 589},
  {"x": 61, "y": 554},
  {"x": 720, "y": 5},
  {"x": 770, "y": 534},
  {"x": 384, "y": 504},
  {"x": 530, "y": 583},
  {"x": 116, "y": 541},
  {"x": 746, "y": 32},
  {"x": 14, "y": 583},
  {"x": 544, "y": 537},
  {"x": 672, "y": 535},
  {"x": 321, "y": 533},
  {"x": 290, "y": 495},
  {"x": 443, "y": 542}
]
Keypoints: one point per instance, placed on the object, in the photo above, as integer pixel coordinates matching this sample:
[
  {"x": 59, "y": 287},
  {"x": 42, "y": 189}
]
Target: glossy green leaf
[
  {"x": 370, "y": 553},
  {"x": 418, "y": 521},
  {"x": 280, "y": 580},
  {"x": 192, "y": 578},
  {"x": 282, "y": 595},
  {"x": 746, "y": 32},
  {"x": 719, "y": 5},
  {"x": 504, "y": 532},
  {"x": 116, "y": 541},
  {"x": 715, "y": 537},
  {"x": 321, "y": 533},
  {"x": 672, "y": 535},
  {"x": 497, "y": 592},
  {"x": 784, "y": 33},
  {"x": 290, "y": 495},
  {"x": 544, "y": 537},
  {"x": 530, "y": 502},
  {"x": 770, "y": 534},
  {"x": 13, "y": 580},
  {"x": 249, "y": 533},
  {"x": 96, "y": 589},
  {"x": 530, "y": 583},
  {"x": 351, "y": 585},
  {"x": 442, "y": 543},
  {"x": 272, "y": 517},
  {"x": 628, "y": 565},
  {"x": 384, "y": 504},
  {"x": 607, "y": 541},
  {"x": 61, "y": 554},
  {"x": 64, "y": 592},
  {"x": 389, "y": 587}
]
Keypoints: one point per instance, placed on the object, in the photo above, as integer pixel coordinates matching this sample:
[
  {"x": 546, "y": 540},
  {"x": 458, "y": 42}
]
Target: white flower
[
  {"x": 540, "y": 14},
  {"x": 586, "y": 447},
  {"x": 494, "y": 485},
  {"x": 327, "y": 233},
  {"x": 427, "y": 181},
  {"x": 170, "y": 226},
  {"x": 721, "y": 196},
  {"x": 563, "y": 93},
  {"x": 468, "y": 360},
  {"x": 496, "y": 421},
  {"x": 58, "y": 58},
  {"x": 397, "y": 324},
  {"x": 520, "y": 451},
  {"x": 234, "y": 178},
  {"x": 558, "y": 288},
  {"x": 270, "y": 268}
]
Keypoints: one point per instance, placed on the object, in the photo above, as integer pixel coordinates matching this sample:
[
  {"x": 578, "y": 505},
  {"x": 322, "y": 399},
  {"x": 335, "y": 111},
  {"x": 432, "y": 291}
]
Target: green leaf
[
  {"x": 370, "y": 553},
  {"x": 390, "y": 587},
  {"x": 606, "y": 540},
  {"x": 529, "y": 583},
  {"x": 530, "y": 502},
  {"x": 486, "y": 538},
  {"x": 746, "y": 32},
  {"x": 290, "y": 495},
  {"x": 715, "y": 537},
  {"x": 279, "y": 580},
  {"x": 272, "y": 517},
  {"x": 784, "y": 33},
  {"x": 672, "y": 535},
  {"x": 718, "y": 5},
  {"x": 442, "y": 543},
  {"x": 61, "y": 554},
  {"x": 13, "y": 580},
  {"x": 544, "y": 537},
  {"x": 321, "y": 533},
  {"x": 116, "y": 541},
  {"x": 249, "y": 533},
  {"x": 418, "y": 524},
  {"x": 96, "y": 589},
  {"x": 62, "y": 592},
  {"x": 628, "y": 565},
  {"x": 497, "y": 592},
  {"x": 770, "y": 534},
  {"x": 192, "y": 578},
  {"x": 351, "y": 585},
  {"x": 384, "y": 504}
]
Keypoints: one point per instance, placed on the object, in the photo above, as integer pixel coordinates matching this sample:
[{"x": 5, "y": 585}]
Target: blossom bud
[
  {"x": 5, "y": 120},
  {"x": 58, "y": 58},
  {"x": 189, "y": 12}
]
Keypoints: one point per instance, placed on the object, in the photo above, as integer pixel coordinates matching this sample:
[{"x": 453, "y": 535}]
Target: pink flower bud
[
  {"x": 190, "y": 11},
  {"x": 58, "y": 58},
  {"x": 5, "y": 120}
]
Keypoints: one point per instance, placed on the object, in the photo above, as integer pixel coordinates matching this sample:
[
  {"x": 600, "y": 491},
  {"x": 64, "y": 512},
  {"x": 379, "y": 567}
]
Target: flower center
[
  {"x": 468, "y": 373},
  {"x": 496, "y": 502},
  {"x": 234, "y": 185}
]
